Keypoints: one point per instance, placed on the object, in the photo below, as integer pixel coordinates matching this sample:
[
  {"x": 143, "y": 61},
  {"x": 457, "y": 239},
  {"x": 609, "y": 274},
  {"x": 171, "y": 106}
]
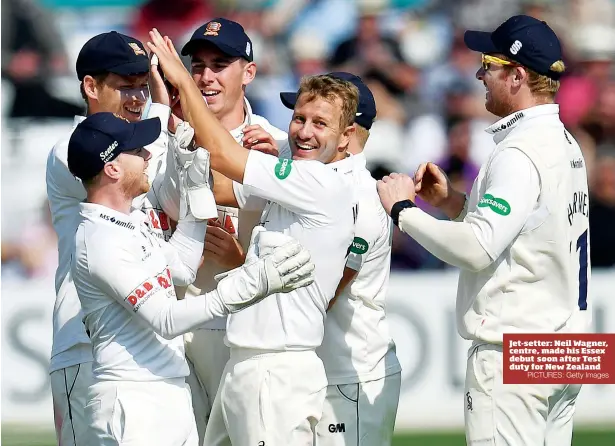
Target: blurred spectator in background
[
  {"x": 458, "y": 68},
  {"x": 428, "y": 136},
  {"x": 409, "y": 52},
  {"x": 32, "y": 52},
  {"x": 600, "y": 121},
  {"x": 330, "y": 20},
  {"x": 602, "y": 211},
  {"x": 384, "y": 149},
  {"x": 371, "y": 54},
  {"x": 171, "y": 17},
  {"x": 306, "y": 54},
  {"x": 458, "y": 164},
  {"x": 33, "y": 254}
]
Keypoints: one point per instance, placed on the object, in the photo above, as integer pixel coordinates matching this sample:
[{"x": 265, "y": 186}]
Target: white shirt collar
[
  {"x": 78, "y": 120},
  {"x": 344, "y": 165},
  {"x": 504, "y": 126},
  {"x": 98, "y": 212},
  {"x": 237, "y": 132},
  {"x": 360, "y": 160}
]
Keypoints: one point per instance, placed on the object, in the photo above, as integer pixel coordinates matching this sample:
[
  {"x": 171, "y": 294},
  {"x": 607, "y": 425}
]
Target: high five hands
[{"x": 174, "y": 69}]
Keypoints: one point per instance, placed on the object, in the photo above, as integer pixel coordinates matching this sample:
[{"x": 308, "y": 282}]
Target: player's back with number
[
  {"x": 539, "y": 281},
  {"x": 577, "y": 224}
]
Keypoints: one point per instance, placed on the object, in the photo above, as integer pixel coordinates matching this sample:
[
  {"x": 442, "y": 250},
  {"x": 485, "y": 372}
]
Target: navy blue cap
[
  {"x": 366, "y": 110},
  {"x": 523, "y": 39},
  {"x": 101, "y": 137},
  {"x": 112, "y": 52},
  {"x": 228, "y": 36}
]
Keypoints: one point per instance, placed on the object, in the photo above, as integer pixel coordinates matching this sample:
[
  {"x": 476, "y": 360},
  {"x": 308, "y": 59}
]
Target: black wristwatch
[{"x": 398, "y": 207}]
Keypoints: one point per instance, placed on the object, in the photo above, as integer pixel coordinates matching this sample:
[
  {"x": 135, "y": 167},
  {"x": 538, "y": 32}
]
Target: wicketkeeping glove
[
  {"x": 196, "y": 196},
  {"x": 275, "y": 263}
]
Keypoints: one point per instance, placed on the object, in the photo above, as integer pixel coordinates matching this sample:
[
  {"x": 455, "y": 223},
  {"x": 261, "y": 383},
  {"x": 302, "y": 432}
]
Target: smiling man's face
[
  {"x": 220, "y": 78},
  {"x": 315, "y": 132},
  {"x": 123, "y": 95}
]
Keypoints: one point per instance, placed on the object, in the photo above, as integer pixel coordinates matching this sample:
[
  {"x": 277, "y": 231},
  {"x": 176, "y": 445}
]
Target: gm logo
[{"x": 339, "y": 427}]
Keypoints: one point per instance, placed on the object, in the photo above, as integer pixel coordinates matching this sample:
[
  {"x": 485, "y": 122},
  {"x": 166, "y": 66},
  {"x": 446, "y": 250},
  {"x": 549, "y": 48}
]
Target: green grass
[{"x": 18, "y": 436}]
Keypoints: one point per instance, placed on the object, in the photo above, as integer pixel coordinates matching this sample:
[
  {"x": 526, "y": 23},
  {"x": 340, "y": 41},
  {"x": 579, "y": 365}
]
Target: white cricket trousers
[
  {"x": 145, "y": 413},
  {"x": 498, "y": 414},
  {"x": 268, "y": 399},
  {"x": 69, "y": 387},
  {"x": 360, "y": 414},
  {"x": 207, "y": 356}
]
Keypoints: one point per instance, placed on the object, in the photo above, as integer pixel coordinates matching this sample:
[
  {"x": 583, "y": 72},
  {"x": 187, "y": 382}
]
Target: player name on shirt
[{"x": 578, "y": 205}]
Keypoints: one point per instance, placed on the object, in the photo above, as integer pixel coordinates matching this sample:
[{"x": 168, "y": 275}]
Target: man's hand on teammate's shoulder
[
  {"x": 257, "y": 138},
  {"x": 222, "y": 247},
  {"x": 393, "y": 188}
]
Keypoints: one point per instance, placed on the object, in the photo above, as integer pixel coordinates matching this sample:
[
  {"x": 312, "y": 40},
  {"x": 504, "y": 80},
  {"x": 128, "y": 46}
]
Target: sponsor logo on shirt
[
  {"x": 509, "y": 123},
  {"x": 283, "y": 168},
  {"x": 158, "y": 223},
  {"x": 123, "y": 224},
  {"x": 576, "y": 164},
  {"x": 359, "y": 246},
  {"x": 148, "y": 288},
  {"x": 497, "y": 205}
]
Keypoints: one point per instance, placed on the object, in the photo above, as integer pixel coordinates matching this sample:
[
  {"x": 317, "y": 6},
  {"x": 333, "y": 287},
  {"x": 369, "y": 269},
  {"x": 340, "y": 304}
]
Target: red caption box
[{"x": 559, "y": 358}]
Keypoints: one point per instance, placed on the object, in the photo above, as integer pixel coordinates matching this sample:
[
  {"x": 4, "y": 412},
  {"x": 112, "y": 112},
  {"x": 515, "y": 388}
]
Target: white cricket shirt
[
  {"x": 124, "y": 276},
  {"x": 529, "y": 210},
  {"x": 357, "y": 345},
  {"x": 313, "y": 203},
  {"x": 71, "y": 345},
  {"x": 238, "y": 222}
]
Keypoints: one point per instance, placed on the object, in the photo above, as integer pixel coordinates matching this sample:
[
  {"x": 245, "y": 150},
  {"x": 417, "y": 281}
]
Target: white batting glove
[{"x": 283, "y": 266}]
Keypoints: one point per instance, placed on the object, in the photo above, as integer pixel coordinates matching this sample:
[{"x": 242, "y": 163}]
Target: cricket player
[
  {"x": 273, "y": 386},
  {"x": 114, "y": 72},
  {"x": 521, "y": 238},
  {"x": 222, "y": 66},
  {"x": 124, "y": 276},
  {"x": 363, "y": 371}
]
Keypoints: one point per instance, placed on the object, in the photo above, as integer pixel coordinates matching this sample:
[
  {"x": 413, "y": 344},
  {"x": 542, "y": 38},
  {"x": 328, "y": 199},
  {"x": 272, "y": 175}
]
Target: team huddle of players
[{"x": 222, "y": 281}]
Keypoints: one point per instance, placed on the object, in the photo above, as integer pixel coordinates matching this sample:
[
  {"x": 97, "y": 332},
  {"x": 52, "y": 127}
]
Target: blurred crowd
[{"x": 409, "y": 52}]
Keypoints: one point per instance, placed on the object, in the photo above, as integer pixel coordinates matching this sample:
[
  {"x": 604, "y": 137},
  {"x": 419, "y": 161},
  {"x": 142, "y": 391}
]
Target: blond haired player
[
  {"x": 273, "y": 387},
  {"x": 124, "y": 276},
  {"x": 363, "y": 371},
  {"x": 222, "y": 66},
  {"x": 521, "y": 238}
]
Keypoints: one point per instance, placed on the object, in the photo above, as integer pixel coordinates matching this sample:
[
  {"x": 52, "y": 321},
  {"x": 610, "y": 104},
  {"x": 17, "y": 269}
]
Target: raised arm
[{"x": 227, "y": 156}]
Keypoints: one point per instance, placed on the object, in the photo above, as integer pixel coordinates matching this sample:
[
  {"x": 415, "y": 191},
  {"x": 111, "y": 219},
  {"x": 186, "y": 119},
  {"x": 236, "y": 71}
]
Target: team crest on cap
[
  {"x": 212, "y": 28},
  {"x": 138, "y": 51}
]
